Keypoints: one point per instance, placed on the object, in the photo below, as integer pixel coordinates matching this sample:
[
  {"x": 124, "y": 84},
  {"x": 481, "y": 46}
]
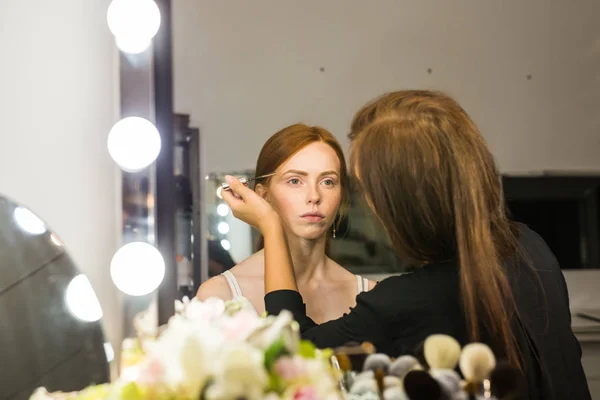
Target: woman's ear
[{"x": 261, "y": 190}]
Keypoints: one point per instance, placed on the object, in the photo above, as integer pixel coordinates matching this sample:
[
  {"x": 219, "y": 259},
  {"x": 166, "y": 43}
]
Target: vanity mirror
[{"x": 52, "y": 332}]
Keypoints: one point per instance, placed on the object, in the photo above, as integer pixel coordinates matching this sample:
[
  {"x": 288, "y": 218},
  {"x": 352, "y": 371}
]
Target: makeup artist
[{"x": 428, "y": 175}]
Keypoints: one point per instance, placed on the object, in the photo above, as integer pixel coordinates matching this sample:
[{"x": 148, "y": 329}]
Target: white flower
[
  {"x": 238, "y": 304},
  {"x": 204, "y": 311},
  {"x": 276, "y": 328},
  {"x": 41, "y": 394},
  {"x": 182, "y": 355},
  {"x": 240, "y": 373},
  {"x": 146, "y": 322},
  {"x": 181, "y": 305}
]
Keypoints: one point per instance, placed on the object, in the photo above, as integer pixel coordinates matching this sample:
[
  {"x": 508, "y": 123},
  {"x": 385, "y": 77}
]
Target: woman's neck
[{"x": 308, "y": 258}]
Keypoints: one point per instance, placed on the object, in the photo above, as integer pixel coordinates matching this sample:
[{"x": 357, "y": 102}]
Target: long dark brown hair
[
  {"x": 430, "y": 178},
  {"x": 284, "y": 144}
]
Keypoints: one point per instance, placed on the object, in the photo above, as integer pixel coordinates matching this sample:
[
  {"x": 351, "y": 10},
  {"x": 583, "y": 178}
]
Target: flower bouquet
[
  {"x": 223, "y": 350},
  {"x": 217, "y": 350}
]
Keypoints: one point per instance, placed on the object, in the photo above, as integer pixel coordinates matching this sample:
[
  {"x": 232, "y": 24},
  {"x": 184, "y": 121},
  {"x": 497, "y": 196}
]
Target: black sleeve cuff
[{"x": 280, "y": 300}]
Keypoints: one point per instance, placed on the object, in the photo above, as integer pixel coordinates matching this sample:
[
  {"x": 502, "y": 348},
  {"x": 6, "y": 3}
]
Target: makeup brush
[
  {"x": 356, "y": 353},
  {"x": 441, "y": 352},
  {"x": 370, "y": 374},
  {"x": 395, "y": 393},
  {"x": 449, "y": 381},
  {"x": 342, "y": 362},
  {"x": 225, "y": 185},
  {"x": 476, "y": 363},
  {"x": 420, "y": 355},
  {"x": 419, "y": 385},
  {"x": 377, "y": 361},
  {"x": 402, "y": 365},
  {"x": 364, "y": 386},
  {"x": 391, "y": 381},
  {"x": 506, "y": 381}
]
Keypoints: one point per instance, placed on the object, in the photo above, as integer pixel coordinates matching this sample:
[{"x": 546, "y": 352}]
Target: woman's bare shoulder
[
  {"x": 216, "y": 286},
  {"x": 251, "y": 266},
  {"x": 343, "y": 274}
]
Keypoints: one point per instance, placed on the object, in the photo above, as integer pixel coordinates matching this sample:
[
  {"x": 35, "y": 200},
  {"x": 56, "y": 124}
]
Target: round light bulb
[
  {"x": 223, "y": 227},
  {"x": 137, "y": 268},
  {"x": 28, "y": 221},
  {"x": 132, "y": 44},
  {"x": 225, "y": 244},
  {"x": 222, "y": 210},
  {"x": 134, "y": 143},
  {"x": 81, "y": 299},
  {"x": 133, "y": 23}
]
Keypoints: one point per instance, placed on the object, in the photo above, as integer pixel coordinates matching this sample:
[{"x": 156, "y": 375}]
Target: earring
[{"x": 337, "y": 222}]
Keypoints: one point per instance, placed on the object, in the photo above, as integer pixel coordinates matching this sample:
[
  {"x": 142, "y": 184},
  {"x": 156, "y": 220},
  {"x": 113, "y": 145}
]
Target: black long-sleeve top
[{"x": 401, "y": 311}]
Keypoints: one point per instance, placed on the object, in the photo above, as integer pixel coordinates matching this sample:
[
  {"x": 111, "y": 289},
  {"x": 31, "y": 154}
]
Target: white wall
[
  {"x": 245, "y": 69},
  {"x": 58, "y": 100}
]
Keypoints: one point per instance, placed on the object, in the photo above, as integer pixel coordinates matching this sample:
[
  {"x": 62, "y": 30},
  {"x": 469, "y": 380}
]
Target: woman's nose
[{"x": 314, "y": 196}]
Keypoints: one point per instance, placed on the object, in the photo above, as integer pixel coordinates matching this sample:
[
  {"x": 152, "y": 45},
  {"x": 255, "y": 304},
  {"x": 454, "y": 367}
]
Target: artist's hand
[{"x": 249, "y": 206}]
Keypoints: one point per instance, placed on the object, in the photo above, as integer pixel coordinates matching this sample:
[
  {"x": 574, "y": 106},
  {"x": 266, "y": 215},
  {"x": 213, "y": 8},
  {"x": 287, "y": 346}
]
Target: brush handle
[{"x": 225, "y": 186}]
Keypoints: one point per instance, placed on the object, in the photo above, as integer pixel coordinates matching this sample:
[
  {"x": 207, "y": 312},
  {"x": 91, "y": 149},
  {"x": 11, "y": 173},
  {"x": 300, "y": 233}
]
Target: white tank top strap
[
  {"x": 359, "y": 284},
  {"x": 233, "y": 284},
  {"x": 362, "y": 284}
]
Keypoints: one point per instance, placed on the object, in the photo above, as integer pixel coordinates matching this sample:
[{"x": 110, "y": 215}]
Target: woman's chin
[{"x": 311, "y": 233}]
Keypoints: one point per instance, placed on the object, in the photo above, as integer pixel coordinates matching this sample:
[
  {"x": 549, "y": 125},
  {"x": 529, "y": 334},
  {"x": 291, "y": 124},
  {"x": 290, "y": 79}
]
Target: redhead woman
[{"x": 309, "y": 190}]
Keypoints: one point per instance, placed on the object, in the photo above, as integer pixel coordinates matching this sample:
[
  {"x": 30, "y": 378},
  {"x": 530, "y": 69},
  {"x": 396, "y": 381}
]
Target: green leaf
[
  {"x": 276, "y": 383},
  {"x": 307, "y": 349},
  {"x": 273, "y": 352},
  {"x": 131, "y": 391}
]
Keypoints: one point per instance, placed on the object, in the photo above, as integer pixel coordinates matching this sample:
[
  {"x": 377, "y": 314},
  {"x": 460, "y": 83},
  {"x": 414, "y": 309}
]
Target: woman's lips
[{"x": 313, "y": 217}]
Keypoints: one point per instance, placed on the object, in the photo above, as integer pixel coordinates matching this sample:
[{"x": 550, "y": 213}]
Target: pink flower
[
  {"x": 305, "y": 393},
  {"x": 152, "y": 371},
  {"x": 240, "y": 325},
  {"x": 290, "y": 368}
]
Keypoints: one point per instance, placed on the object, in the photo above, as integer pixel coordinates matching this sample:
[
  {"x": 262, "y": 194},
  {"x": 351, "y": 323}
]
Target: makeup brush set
[{"x": 429, "y": 375}]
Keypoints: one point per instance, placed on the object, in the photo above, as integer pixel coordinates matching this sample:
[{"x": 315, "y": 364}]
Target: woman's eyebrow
[
  {"x": 304, "y": 173},
  {"x": 328, "y": 173},
  {"x": 296, "y": 172}
]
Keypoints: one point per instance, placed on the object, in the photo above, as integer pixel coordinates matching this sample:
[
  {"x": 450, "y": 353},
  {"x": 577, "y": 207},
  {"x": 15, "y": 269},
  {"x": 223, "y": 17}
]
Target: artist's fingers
[{"x": 238, "y": 187}]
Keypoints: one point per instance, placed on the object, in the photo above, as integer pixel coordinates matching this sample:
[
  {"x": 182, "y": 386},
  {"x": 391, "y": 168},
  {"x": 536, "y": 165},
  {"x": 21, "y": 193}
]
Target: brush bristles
[
  {"x": 395, "y": 393},
  {"x": 363, "y": 386},
  {"x": 505, "y": 380},
  {"x": 449, "y": 381},
  {"x": 477, "y": 362},
  {"x": 377, "y": 361},
  {"x": 391, "y": 381},
  {"x": 419, "y": 385},
  {"x": 402, "y": 366},
  {"x": 441, "y": 352}
]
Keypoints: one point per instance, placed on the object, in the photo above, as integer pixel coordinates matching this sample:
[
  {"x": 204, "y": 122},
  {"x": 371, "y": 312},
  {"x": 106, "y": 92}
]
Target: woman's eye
[
  {"x": 294, "y": 181},
  {"x": 329, "y": 182}
]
